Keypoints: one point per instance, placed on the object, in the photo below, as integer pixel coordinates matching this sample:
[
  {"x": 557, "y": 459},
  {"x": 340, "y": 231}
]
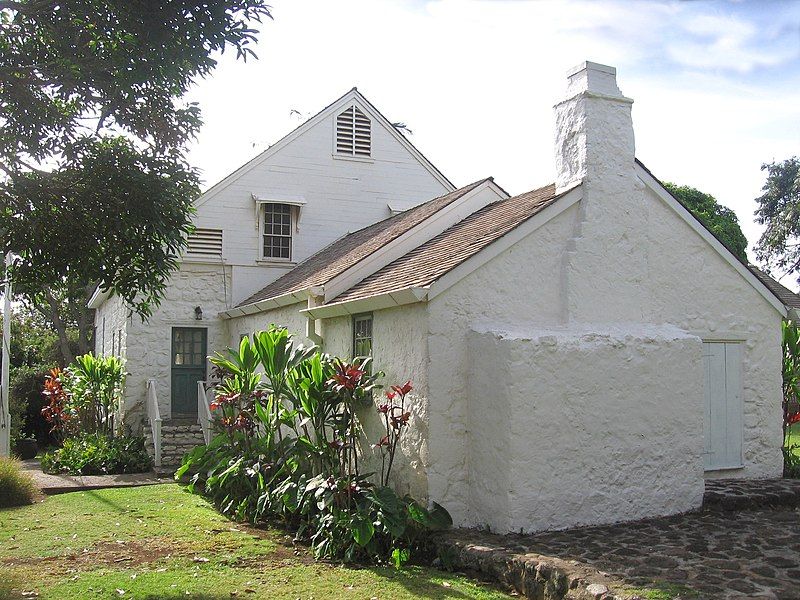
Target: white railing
[
  {"x": 204, "y": 416},
  {"x": 154, "y": 415}
]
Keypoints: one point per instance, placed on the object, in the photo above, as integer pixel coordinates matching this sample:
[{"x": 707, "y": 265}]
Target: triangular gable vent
[{"x": 353, "y": 133}]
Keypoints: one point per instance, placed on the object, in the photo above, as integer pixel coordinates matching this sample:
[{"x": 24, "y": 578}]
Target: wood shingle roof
[
  {"x": 347, "y": 251},
  {"x": 433, "y": 259}
]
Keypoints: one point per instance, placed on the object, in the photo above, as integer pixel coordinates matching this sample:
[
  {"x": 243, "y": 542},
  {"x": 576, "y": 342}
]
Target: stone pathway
[
  {"x": 59, "y": 484},
  {"x": 714, "y": 553}
]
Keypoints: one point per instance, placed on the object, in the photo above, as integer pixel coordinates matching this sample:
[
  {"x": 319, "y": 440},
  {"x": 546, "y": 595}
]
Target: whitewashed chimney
[
  {"x": 594, "y": 129},
  {"x": 606, "y": 260}
]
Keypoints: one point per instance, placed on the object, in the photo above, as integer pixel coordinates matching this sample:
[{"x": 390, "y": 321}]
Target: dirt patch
[{"x": 107, "y": 553}]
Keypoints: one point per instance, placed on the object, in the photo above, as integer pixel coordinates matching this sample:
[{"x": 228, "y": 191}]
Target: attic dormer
[{"x": 353, "y": 133}]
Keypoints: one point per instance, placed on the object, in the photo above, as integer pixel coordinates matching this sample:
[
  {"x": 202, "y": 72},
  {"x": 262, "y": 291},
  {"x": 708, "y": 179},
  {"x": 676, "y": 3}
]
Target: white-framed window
[
  {"x": 353, "y": 133},
  {"x": 276, "y": 233},
  {"x": 362, "y": 335}
]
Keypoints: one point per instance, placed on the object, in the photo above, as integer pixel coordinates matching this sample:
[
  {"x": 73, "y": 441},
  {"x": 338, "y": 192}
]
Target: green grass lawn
[{"x": 162, "y": 542}]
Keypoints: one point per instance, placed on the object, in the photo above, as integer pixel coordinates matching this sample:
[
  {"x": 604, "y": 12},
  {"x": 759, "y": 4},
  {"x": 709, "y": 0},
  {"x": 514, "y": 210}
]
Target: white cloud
[
  {"x": 476, "y": 82},
  {"x": 730, "y": 42}
]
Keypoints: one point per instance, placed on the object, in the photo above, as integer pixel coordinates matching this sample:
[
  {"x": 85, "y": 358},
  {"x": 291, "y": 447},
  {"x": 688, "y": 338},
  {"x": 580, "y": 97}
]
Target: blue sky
[{"x": 716, "y": 85}]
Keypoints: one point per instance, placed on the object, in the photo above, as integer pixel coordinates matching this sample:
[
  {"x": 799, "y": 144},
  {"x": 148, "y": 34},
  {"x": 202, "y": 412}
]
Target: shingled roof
[
  {"x": 354, "y": 247},
  {"x": 433, "y": 259},
  {"x": 784, "y": 294}
]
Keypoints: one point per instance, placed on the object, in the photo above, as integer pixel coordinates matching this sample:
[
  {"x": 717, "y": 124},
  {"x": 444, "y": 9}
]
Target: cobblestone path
[{"x": 744, "y": 553}]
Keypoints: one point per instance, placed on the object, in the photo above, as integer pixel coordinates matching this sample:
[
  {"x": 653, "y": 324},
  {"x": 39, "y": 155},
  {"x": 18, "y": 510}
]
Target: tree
[
  {"x": 95, "y": 188},
  {"x": 779, "y": 211},
  {"x": 720, "y": 220}
]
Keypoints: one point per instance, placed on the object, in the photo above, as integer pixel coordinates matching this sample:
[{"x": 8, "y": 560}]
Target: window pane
[{"x": 277, "y": 238}]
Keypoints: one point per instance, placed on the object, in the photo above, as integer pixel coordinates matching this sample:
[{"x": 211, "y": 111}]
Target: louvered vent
[
  {"x": 205, "y": 243},
  {"x": 353, "y": 133}
]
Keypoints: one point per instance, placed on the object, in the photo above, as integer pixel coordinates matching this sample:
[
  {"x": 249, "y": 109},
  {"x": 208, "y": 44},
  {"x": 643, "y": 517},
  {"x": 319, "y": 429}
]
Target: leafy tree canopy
[
  {"x": 95, "y": 187},
  {"x": 779, "y": 211},
  {"x": 720, "y": 220}
]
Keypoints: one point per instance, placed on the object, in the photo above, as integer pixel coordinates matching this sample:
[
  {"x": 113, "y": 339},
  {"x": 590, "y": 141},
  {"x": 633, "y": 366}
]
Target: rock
[{"x": 596, "y": 590}]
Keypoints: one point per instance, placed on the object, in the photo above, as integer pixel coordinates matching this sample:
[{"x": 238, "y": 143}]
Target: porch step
[{"x": 178, "y": 436}]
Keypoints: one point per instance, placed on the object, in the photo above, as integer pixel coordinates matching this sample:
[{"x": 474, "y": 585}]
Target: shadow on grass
[{"x": 427, "y": 582}]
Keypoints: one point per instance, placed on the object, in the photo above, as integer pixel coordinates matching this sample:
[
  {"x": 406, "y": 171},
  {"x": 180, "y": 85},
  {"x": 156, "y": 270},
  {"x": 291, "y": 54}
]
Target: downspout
[{"x": 316, "y": 297}]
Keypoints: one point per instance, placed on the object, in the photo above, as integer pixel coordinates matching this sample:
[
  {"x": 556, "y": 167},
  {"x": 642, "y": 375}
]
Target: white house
[{"x": 582, "y": 353}]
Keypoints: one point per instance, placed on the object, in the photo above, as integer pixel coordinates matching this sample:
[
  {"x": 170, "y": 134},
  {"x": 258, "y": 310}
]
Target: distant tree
[
  {"x": 94, "y": 185},
  {"x": 719, "y": 219},
  {"x": 779, "y": 211}
]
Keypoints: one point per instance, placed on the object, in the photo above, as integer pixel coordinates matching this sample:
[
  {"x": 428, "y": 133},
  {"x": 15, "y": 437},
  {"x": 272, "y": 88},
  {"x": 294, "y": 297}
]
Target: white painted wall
[
  {"x": 695, "y": 289},
  {"x": 111, "y": 321},
  {"x": 149, "y": 344},
  {"x": 341, "y": 195},
  {"x": 583, "y": 426},
  {"x": 519, "y": 287}
]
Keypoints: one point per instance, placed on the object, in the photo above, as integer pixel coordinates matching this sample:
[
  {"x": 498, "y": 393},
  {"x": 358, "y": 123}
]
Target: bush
[
  {"x": 16, "y": 486},
  {"x": 98, "y": 454},
  {"x": 25, "y": 403},
  {"x": 288, "y": 450}
]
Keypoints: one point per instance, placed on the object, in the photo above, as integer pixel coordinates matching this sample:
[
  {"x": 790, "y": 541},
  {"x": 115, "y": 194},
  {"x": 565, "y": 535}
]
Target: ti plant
[{"x": 395, "y": 420}]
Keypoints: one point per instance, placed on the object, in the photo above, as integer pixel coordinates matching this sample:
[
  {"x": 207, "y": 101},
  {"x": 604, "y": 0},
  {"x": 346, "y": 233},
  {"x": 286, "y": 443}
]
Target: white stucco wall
[
  {"x": 693, "y": 287},
  {"x": 286, "y": 316},
  {"x": 111, "y": 333},
  {"x": 521, "y": 286},
  {"x": 149, "y": 343},
  {"x": 682, "y": 281},
  {"x": 571, "y": 427}
]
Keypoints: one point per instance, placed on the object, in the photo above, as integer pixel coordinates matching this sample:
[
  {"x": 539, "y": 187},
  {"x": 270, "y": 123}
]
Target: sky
[{"x": 716, "y": 85}]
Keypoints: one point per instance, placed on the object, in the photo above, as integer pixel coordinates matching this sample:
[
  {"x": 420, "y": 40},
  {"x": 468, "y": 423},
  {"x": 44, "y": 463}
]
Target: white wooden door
[{"x": 723, "y": 417}]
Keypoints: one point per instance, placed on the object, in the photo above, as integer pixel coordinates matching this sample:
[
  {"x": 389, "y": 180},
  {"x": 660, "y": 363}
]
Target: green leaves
[
  {"x": 779, "y": 211},
  {"x": 362, "y": 529},
  {"x": 94, "y": 127},
  {"x": 299, "y": 463},
  {"x": 720, "y": 220}
]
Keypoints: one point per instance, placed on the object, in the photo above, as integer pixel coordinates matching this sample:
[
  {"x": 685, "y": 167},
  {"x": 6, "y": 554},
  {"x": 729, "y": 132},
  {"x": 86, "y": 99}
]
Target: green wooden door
[{"x": 188, "y": 367}]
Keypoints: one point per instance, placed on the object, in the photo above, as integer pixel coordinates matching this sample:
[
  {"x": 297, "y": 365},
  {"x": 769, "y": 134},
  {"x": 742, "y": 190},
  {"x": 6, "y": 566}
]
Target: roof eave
[
  {"x": 98, "y": 298},
  {"x": 401, "y": 297},
  {"x": 268, "y": 304}
]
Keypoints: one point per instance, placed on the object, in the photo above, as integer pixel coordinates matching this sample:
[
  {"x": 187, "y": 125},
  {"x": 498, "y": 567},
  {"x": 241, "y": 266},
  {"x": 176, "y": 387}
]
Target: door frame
[{"x": 172, "y": 365}]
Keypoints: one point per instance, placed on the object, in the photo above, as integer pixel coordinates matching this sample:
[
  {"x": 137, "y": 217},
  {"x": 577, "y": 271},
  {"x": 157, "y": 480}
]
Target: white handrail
[
  {"x": 154, "y": 415},
  {"x": 204, "y": 417}
]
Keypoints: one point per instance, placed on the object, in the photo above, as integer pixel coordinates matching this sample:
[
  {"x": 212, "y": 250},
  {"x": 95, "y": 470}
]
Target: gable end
[{"x": 744, "y": 270}]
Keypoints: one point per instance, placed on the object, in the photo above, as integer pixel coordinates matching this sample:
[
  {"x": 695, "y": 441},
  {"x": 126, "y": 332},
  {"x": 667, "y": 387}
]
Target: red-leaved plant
[
  {"x": 395, "y": 420},
  {"x": 55, "y": 412}
]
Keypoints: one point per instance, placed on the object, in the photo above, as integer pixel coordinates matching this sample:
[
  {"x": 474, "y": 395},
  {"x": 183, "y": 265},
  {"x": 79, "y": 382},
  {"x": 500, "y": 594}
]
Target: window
[
  {"x": 353, "y": 133},
  {"x": 277, "y": 231},
  {"x": 362, "y": 335},
  {"x": 205, "y": 243}
]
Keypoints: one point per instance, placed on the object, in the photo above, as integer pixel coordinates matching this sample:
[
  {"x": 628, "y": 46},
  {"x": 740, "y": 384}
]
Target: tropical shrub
[
  {"x": 56, "y": 411},
  {"x": 94, "y": 387},
  {"x": 16, "y": 486},
  {"x": 98, "y": 454},
  {"x": 791, "y": 397},
  {"x": 288, "y": 450}
]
